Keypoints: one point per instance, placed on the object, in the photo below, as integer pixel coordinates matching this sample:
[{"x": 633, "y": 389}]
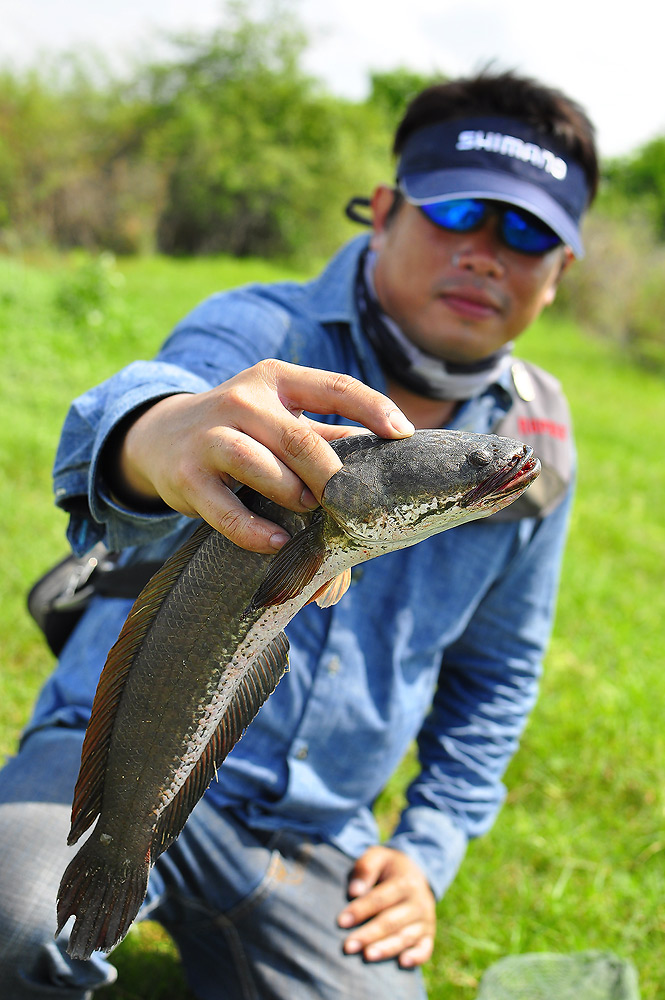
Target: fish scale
[
  {"x": 194, "y": 653},
  {"x": 203, "y": 647}
]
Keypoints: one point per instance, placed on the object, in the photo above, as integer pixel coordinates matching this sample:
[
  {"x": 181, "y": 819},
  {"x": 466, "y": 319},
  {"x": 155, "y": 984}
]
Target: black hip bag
[{"x": 58, "y": 599}]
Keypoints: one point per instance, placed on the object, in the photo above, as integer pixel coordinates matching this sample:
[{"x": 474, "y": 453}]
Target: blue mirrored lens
[
  {"x": 459, "y": 216},
  {"x": 519, "y": 229},
  {"x": 524, "y": 232}
]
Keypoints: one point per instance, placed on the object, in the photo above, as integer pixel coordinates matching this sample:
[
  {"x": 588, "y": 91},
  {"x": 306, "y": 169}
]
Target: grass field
[{"x": 577, "y": 857}]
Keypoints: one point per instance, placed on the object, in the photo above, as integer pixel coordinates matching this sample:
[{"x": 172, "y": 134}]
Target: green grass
[{"x": 576, "y": 859}]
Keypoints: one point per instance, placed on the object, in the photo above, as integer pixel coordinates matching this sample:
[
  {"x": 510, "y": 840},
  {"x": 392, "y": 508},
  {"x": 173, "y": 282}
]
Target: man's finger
[
  {"x": 233, "y": 520},
  {"x": 391, "y": 931},
  {"x": 369, "y": 904},
  {"x": 321, "y": 391},
  {"x": 420, "y": 953},
  {"x": 249, "y": 462},
  {"x": 394, "y": 944},
  {"x": 334, "y": 432}
]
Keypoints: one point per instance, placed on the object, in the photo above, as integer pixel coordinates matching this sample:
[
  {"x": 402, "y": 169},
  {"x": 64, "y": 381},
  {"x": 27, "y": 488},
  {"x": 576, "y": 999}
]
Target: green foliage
[
  {"x": 68, "y": 168},
  {"x": 226, "y": 145},
  {"x": 88, "y": 294},
  {"x": 258, "y": 159},
  {"x": 391, "y": 90},
  {"x": 639, "y": 181},
  {"x": 617, "y": 290},
  {"x": 576, "y": 859}
]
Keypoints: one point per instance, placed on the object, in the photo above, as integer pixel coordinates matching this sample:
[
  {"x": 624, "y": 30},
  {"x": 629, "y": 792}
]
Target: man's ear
[
  {"x": 381, "y": 202},
  {"x": 566, "y": 260}
]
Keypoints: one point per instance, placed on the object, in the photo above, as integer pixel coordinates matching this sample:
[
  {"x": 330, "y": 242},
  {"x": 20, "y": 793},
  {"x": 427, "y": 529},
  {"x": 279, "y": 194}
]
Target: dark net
[{"x": 587, "y": 975}]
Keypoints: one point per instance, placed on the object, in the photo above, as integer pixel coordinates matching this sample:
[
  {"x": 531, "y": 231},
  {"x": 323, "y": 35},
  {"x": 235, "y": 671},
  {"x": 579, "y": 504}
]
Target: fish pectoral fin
[
  {"x": 257, "y": 685},
  {"x": 294, "y": 566},
  {"x": 333, "y": 591}
]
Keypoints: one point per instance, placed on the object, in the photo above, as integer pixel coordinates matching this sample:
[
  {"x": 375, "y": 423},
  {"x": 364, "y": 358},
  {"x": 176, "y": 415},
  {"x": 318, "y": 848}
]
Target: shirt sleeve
[
  {"x": 488, "y": 684},
  {"x": 224, "y": 335}
]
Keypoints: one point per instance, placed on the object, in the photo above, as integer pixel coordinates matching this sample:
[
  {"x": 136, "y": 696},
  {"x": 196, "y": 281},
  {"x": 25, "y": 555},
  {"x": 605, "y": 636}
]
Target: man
[{"x": 277, "y": 886}]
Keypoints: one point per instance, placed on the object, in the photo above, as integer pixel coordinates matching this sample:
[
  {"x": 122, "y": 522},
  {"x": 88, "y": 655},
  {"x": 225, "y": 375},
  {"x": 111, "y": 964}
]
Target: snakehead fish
[{"x": 203, "y": 647}]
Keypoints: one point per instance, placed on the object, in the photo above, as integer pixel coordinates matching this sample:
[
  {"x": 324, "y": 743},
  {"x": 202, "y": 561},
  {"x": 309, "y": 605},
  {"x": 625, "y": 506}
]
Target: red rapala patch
[{"x": 533, "y": 425}]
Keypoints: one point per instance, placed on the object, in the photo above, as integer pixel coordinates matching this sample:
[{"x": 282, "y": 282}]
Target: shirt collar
[{"x": 331, "y": 294}]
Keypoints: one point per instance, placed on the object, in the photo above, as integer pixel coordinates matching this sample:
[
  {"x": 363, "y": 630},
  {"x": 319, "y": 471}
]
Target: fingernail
[
  {"x": 373, "y": 952},
  {"x": 278, "y": 539},
  {"x": 352, "y": 947},
  {"x": 400, "y": 422},
  {"x": 357, "y": 887},
  {"x": 307, "y": 499},
  {"x": 345, "y": 919}
]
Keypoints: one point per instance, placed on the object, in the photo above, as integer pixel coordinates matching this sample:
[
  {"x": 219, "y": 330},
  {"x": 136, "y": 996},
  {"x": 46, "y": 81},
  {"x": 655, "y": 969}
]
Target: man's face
[{"x": 458, "y": 296}]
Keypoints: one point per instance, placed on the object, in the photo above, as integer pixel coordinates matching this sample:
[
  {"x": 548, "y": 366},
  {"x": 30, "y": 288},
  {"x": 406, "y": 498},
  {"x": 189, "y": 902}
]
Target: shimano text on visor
[{"x": 498, "y": 158}]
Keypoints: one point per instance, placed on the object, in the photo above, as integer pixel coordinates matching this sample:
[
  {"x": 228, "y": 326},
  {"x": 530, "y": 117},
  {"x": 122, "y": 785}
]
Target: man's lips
[{"x": 470, "y": 303}]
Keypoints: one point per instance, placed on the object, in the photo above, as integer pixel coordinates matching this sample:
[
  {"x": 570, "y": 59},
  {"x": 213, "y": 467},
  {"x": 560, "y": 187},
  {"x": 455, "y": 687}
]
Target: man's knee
[
  {"x": 31, "y": 834},
  {"x": 35, "y": 802},
  {"x": 32, "y": 963}
]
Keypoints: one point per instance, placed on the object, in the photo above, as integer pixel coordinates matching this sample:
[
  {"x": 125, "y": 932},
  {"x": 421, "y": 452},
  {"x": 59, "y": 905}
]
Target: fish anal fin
[
  {"x": 294, "y": 566},
  {"x": 260, "y": 680},
  {"x": 333, "y": 591},
  {"x": 90, "y": 783}
]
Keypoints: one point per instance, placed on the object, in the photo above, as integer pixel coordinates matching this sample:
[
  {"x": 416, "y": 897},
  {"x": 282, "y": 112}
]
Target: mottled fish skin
[{"x": 203, "y": 647}]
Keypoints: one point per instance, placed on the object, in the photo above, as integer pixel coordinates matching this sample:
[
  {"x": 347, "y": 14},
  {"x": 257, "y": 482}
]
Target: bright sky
[{"x": 607, "y": 56}]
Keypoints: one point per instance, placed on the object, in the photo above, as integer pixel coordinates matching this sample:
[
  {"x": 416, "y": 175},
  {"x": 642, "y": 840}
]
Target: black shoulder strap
[{"x": 540, "y": 417}]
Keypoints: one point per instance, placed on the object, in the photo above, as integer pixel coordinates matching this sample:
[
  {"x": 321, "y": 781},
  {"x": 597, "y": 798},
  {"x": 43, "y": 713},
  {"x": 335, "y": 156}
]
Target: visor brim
[{"x": 447, "y": 185}]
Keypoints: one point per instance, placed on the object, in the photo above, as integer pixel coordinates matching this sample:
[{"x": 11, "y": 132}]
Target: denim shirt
[{"x": 440, "y": 643}]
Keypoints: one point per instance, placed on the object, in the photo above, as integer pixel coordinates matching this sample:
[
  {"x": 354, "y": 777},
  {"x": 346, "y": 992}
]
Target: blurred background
[
  {"x": 243, "y": 127},
  {"x": 152, "y": 153}
]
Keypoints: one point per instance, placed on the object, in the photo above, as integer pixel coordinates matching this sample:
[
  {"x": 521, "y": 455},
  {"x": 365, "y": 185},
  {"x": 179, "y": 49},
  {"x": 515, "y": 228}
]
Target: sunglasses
[{"x": 518, "y": 229}]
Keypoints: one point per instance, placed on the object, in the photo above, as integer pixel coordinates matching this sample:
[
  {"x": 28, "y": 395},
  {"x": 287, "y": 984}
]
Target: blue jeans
[{"x": 253, "y": 914}]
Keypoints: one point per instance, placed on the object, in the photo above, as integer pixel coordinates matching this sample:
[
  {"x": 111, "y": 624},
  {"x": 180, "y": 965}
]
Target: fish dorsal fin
[
  {"x": 334, "y": 591},
  {"x": 294, "y": 566},
  {"x": 259, "y": 682},
  {"x": 90, "y": 784}
]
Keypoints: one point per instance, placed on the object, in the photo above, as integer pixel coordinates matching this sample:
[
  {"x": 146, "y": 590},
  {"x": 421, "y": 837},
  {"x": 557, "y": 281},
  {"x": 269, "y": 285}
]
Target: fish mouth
[{"x": 505, "y": 484}]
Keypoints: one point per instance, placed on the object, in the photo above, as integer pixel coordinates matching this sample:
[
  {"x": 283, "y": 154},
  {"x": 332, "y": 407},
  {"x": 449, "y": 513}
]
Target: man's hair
[{"x": 506, "y": 94}]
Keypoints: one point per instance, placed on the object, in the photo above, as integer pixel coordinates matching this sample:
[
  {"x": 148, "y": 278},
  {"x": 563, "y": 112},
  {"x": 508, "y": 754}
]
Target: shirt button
[
  {"x": 301, "y": 752},
  {"x": 334, "y": 665}
]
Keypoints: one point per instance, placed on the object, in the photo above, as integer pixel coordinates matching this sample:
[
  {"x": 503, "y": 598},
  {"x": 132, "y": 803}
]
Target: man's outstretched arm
[{"x": 191, "y": 450}]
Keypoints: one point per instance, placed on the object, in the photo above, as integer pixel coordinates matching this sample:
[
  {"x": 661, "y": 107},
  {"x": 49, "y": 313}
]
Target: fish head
[{"x": 400, "y": 491}]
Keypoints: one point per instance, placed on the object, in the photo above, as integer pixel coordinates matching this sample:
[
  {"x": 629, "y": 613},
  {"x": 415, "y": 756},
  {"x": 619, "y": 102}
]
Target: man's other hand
[{"x": 392, "y": 909}]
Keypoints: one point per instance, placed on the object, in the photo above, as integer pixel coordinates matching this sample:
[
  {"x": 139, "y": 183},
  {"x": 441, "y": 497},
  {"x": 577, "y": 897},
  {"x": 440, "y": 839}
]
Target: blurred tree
[
  {"x": 391, "y": 90},
  {"x": 223, "y": 144},
  {"x": 638, "y": 181},
  {"x": 67, "y": 174},
  {"x": 258, "y": 159}
]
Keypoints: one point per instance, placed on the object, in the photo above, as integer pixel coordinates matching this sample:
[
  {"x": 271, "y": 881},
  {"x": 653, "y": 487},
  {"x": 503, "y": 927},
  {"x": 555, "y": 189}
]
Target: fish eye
[{"x": 480, "y": 457}]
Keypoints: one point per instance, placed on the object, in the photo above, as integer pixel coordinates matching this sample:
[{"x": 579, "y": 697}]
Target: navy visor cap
[{"x": 503, "y": 159}]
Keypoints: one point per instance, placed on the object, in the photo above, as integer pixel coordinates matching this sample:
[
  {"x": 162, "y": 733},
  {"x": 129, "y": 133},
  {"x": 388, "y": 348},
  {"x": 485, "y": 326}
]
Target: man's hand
[
  {"x": 395, "y": 905},
  {"x": 191, "y": 450}
]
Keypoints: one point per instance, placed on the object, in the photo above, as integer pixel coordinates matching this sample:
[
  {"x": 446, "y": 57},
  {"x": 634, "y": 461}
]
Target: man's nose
[{"x": 480, "y": 251}]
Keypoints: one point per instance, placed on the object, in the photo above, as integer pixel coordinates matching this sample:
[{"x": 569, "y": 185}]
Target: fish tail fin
[{"x": 105, "y": 893}]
